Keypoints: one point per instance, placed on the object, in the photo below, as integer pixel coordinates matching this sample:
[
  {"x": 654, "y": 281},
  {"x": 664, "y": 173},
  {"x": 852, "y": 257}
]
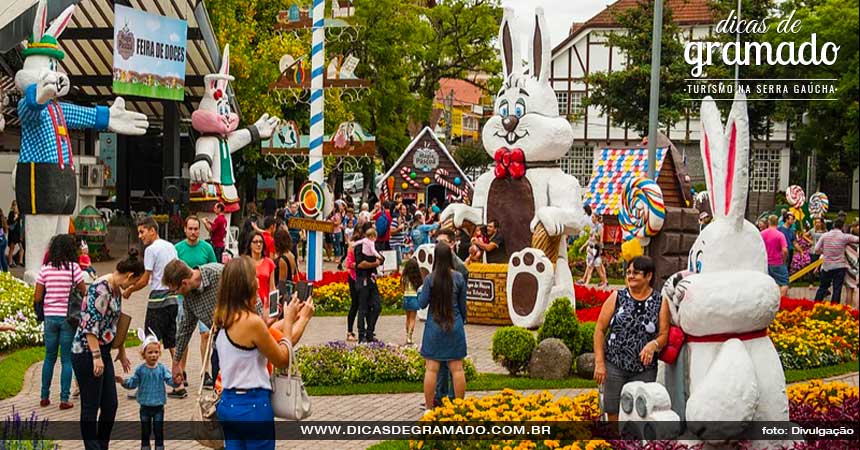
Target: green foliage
[
  {"x": 586, "y": 338},
  {"x": 830, "y": 128},
  {"x": 513, "y": 347},
  {"x": 624, "y": 94},
  {"x": 560, "y": 322},
  {"x": 573, "y": 250},
  {"x": 14, "y": 366},
  {"x": 338, "y": 363},
  {"x": 471, "y": 155}
]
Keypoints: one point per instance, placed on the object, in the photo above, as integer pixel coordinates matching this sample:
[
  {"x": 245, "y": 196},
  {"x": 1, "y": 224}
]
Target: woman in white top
[{"x": 244, "y": 345}]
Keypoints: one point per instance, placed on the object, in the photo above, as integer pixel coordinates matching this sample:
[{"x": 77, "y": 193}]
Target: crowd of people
[{"x": 790, "y": 248}]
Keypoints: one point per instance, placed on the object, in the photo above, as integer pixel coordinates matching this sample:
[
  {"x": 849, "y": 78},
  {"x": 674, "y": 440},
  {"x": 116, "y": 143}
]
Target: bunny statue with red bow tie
[{"x": 527, "y": 193}]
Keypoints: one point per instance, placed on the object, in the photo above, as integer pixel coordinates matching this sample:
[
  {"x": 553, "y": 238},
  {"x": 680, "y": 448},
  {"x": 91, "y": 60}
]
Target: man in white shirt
[{"x": 162, "y": 308}]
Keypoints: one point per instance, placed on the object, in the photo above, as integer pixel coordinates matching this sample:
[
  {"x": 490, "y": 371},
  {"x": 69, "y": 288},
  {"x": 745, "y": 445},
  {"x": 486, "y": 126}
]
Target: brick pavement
[{"x": 376, "y": 407}]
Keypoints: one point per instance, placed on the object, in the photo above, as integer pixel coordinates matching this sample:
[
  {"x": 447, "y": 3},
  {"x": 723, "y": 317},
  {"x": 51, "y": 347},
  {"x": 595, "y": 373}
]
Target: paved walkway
[{"x": 376, "y": 407}]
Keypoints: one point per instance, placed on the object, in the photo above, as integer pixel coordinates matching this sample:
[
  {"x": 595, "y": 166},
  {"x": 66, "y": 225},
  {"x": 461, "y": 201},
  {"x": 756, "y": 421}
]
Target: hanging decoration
[{"x": 312, "y": 199}]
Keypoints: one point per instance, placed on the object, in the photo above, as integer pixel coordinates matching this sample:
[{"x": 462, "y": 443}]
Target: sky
[{"x": 560, "y": 14}]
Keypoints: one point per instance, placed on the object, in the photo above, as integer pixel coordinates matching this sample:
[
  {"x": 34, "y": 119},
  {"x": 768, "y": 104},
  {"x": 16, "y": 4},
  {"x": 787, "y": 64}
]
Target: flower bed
[
  {"x": 822, "y": 336},
  {"x": 510, "y": 405},
  {"x": 810, "y": 401},
  {"x": 332, "y": 294},
  {"x": 16, "y": 308},
  {"x": 340, "y": 363}
]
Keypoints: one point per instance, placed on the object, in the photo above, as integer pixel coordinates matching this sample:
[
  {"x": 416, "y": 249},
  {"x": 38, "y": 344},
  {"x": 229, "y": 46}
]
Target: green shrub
[
  {"x": 338, "y": 362},
  {"x": 513, "y": 347},
  {"x": 560, "y": 322},
  {"x": 585, "y": 338}
]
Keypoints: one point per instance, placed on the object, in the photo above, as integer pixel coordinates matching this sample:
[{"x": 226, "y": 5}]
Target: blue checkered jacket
[
  {"x": 38, "y": 137},
  {"x": 150, "y": 382}
]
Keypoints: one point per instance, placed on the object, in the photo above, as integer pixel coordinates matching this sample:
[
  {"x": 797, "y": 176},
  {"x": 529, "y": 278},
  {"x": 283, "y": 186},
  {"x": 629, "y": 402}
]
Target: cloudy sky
[{"x": 559, "y": 14}]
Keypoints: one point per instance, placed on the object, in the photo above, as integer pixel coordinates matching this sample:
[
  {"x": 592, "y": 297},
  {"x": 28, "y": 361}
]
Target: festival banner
[{"x": 148, "y": 54}]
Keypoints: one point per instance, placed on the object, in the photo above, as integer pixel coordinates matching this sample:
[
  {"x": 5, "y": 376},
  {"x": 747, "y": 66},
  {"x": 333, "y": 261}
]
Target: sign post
[{"x": 315, "y": 159}]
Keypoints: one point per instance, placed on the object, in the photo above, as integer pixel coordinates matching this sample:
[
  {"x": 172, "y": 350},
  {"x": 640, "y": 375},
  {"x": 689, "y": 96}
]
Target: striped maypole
[{"x": 315, "y": 160}]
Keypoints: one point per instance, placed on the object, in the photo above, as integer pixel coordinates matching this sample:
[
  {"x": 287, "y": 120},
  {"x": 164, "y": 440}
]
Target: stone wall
[{"x": 486, "y": 298}]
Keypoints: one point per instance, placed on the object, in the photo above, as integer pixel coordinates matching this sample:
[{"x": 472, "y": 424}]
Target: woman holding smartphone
[{"x": 245, "y": 345}]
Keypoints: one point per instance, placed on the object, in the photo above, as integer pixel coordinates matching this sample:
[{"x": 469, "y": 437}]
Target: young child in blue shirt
[{"x": 149, "y": 379}]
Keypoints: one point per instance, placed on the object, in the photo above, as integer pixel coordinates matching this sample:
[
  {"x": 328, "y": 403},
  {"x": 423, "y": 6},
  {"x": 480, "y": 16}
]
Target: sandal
[{"x": 350, "y": 337}]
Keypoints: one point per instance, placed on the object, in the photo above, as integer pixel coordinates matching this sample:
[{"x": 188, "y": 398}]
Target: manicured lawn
[
  {"x": 15, "y": 365},
  {"x": 484, "y": 382},
  {"x": 793, "y": 376}
]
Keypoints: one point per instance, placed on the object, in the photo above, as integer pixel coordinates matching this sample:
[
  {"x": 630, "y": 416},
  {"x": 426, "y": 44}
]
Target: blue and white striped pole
[{"x": 315, "y": 160}]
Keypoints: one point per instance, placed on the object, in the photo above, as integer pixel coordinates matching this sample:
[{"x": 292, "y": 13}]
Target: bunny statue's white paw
[
  {"x": 123, "y": 121},
  {"x": 530, "y": 278},
  {"x": 460, "y": 213},
  {"x": 424, "y": 257},
  {"x": 200, "y": 172},
  {"x": 266, "y": 125},
  {"x": 551, "y": 218},
  {"x": 646, "y": 412}
]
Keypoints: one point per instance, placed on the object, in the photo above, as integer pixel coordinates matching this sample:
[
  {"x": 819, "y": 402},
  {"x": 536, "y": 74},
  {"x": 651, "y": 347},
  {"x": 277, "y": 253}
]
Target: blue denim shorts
[{"x": 779, "y": 274}]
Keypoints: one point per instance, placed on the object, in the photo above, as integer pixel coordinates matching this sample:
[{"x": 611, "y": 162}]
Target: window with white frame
[
  {"x": 578, "y": 162},
  {"x": 576, "y": 103},
  {"x": 562, "y": 102},
  {"x": 765, "y": 169}
]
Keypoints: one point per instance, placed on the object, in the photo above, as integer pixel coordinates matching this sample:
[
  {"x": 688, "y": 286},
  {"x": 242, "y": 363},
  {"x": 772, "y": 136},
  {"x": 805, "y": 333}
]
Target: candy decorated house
[
  {"x": 426, "y": 171},
  {"x": 615, "y": 168}
]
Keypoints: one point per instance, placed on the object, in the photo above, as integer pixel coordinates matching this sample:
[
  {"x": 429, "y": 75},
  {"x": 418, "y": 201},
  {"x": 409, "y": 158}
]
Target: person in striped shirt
[
  {"x": 831, "y": 247},
  {"x": 56, "y": 278}
]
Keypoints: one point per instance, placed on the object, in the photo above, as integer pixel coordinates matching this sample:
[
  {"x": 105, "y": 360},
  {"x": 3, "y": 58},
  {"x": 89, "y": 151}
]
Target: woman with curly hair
[{"x": 56, "y": 278}]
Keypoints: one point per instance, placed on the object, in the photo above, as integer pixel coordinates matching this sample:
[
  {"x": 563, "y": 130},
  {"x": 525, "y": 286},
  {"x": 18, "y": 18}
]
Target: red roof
[
  {"x": 684, "y": 12},
  {"x": 465, "y": 93}
]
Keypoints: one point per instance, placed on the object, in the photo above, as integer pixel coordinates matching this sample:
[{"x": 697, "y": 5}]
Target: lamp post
[{"x": 654, "y": 99}]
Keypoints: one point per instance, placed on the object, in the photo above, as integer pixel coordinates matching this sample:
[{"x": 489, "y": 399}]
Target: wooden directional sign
[{"x": 311, "y": 225}]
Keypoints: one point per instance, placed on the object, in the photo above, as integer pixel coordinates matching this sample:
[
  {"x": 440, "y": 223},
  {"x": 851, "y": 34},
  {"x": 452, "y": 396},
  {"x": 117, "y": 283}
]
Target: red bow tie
[{"x": 510, "y": 163}]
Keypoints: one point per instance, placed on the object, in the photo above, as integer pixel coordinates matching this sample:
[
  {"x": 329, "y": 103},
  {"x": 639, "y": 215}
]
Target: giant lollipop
[
  {"x": 818, "y": 204},
  {"x": 795, "y": 197},
  {"x": 642, "y": 209}
]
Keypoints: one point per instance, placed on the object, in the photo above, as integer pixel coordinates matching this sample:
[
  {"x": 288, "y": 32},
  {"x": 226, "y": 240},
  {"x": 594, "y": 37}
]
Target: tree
[
  {"x": 624, "y": 95},
  {"x": 471, "y": 155},
  {"x": 829, "y": 129}
]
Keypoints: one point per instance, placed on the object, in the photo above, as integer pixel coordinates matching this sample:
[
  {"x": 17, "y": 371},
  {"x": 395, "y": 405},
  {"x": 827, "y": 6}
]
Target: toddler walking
[{"x": 149, "y": 379}]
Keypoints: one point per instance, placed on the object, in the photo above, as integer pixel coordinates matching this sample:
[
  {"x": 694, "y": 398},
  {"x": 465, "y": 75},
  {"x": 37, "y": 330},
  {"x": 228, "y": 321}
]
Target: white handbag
[{"x": 289, "y": 398}]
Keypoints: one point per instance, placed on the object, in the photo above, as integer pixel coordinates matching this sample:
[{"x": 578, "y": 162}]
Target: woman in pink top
[
  {"x": 55, "y": 280},
  {"x": 357, "y": 236}
]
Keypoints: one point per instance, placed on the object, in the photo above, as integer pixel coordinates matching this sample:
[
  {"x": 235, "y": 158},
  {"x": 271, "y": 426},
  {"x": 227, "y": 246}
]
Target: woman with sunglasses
[
  {"x": 636, "y": 321},
  {"x": 265, "y": 267}
]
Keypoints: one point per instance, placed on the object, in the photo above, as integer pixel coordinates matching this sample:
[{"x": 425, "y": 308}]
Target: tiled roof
[
  {"x": 617, "y": 166},
  {"x": 465, "y": 93},
  {"x": 684, "y": 12}
]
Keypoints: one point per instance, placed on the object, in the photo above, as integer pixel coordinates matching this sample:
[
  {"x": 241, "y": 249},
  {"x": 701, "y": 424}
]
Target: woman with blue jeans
[
  {"x": 244, "y": 345},
  {"x": 55, "y": 280}
]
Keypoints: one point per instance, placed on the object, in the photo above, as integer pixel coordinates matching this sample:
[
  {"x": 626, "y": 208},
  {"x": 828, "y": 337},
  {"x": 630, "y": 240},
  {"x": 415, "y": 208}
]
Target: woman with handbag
[
  {"x": 244, "y": 346},
  {"x": 91, "y": 358},
  {"x": 636, "y": 319},
  {"x": 57, "y": 281}
]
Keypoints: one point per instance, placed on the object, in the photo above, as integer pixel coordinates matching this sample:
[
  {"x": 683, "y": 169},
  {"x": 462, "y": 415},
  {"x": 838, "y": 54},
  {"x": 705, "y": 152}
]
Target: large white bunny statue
[
  {"x": 526, "y": 136},
  {"x": 726, "y": 300},
  {"x": 45, "y": 181},
  {"x": 212, "y": 170}
]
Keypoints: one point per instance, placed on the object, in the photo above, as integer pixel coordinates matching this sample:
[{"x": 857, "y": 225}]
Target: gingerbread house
[{"x": 424, "y": 172}]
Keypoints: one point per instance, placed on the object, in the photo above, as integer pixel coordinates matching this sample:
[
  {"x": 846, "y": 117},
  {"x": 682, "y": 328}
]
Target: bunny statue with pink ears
[
  {"x": 725, "y": 301},
  {"x": 212, "y": 171},
  {"x": 527, "y": 194},
  {"x": 45, "y": 181}
]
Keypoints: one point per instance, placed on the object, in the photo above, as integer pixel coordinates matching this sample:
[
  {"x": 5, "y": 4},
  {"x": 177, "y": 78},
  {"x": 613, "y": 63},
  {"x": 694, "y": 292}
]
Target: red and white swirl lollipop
[{"x": 794, "y": 196}]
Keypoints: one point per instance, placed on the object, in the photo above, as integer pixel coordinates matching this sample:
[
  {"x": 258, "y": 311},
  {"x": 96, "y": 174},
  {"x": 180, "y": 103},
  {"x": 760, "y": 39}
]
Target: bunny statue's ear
[
  {"x": 141, "y": 335},
  {"x": 61, "y": 22},
  {"x": 510, "y": 48},
  {"x": 40, "y": 21},
  {"x": 725, "y": 153},
  {"x": 225, "y": 66},
  {"x": 539, "y": 51}
]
